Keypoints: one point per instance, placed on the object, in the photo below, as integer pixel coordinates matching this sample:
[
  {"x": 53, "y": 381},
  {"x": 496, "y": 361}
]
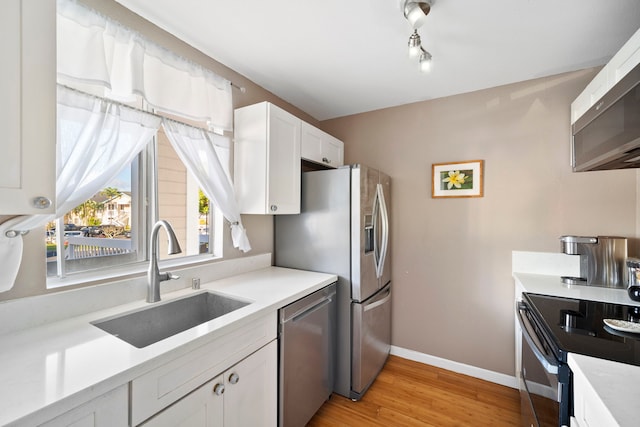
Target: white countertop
[
  {"x": 616, "y": 384},
  {"x": 50, "y": 369}
]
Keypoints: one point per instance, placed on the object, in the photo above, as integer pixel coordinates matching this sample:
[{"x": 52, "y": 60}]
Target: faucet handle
[{"x": 167, "y": 276}]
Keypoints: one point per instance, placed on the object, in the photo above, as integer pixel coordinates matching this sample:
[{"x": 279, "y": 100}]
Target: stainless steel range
[{"x": 552, "y": 327}]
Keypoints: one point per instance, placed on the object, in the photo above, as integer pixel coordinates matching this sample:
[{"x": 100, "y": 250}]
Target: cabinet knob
[
  {"x": 218, "y": 389},
  {"x": 325, "y": 160},
  {"x": 41, "y": 202},
  {"x": 274, "y": 208},
  {"x": 234, "y": 378}
]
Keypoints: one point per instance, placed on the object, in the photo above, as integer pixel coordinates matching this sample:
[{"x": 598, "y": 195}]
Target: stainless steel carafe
[{"x": 602, "y": 260}]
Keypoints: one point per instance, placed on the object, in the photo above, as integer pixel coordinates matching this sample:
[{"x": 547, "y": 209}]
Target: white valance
[{"x": 93, "y": 49}]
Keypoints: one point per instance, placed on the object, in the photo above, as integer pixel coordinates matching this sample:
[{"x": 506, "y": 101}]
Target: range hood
[{"x": 607, "y": 136}]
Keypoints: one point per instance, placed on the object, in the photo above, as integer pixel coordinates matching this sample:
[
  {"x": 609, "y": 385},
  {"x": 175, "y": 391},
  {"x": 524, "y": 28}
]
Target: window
[{"x": 110, "y": 228}]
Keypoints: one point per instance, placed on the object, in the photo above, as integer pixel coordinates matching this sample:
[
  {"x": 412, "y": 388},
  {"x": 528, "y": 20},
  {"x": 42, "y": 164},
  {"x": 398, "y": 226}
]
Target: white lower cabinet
[
  {"x": 109, "y": 410},
  {"x": 588, "y": 408},
  {"x": 244, "y": 395},
  {"x": 171, "y": 390}
]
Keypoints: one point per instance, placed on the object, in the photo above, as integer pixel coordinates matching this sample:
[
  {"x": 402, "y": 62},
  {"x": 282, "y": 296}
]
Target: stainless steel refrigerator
[{"x": 343, "y": 228}]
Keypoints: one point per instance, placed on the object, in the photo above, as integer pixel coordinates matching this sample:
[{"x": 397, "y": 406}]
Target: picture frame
[{"x": 457, "y": 179}]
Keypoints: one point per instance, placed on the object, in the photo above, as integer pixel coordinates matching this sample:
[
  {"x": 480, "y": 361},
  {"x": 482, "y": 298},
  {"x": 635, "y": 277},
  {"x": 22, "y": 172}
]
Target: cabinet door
[
  {"x": 284, "y": 162},
  {"x": 251, "y": 390},
  {"x": 311, "y": 143},
  {"x": 202, "y": 408},
  {"x": 333, "y": 151},
  {"x": 108, "y": 410},
  {"x": 28, "y": 106},
  {"x": 320, "y": 147},
  {"x": 266, "y": 160},
  {"x": 624, "y": 60}
]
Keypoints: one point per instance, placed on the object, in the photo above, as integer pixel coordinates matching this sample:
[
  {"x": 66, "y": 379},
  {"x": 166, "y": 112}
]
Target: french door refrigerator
[{"x": 343, "y": 228}]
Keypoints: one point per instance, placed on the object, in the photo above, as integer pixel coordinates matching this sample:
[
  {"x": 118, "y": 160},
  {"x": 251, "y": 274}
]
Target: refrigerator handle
[
  {"x": 374, "y": 221},
  {"x": 385, "y": 229}
]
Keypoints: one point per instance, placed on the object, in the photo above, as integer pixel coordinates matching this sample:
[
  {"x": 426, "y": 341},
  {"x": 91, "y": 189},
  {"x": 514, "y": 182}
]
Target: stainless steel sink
[{"x": 150, "y": 325}]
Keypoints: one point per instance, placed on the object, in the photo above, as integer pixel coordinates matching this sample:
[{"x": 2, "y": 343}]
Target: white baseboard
[{"x": 461, "y": 368}]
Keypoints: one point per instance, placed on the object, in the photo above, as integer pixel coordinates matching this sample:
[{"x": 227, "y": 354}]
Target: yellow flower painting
[
  {"x": 454, "y": 179},
  {"x": 458, "y": 179}
]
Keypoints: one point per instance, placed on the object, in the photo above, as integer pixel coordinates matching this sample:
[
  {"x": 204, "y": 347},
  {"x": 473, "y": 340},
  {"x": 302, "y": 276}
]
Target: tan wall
[{"x": 452, "y": 258}]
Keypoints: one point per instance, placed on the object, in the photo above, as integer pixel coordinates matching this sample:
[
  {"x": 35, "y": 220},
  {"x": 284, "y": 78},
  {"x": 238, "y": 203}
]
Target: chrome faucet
[{"x": 154, "y": 276}]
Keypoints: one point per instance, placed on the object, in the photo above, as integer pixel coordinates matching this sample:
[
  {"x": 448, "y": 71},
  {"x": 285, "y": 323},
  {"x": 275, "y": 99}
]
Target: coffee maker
[{"x": 602, "y": 260}]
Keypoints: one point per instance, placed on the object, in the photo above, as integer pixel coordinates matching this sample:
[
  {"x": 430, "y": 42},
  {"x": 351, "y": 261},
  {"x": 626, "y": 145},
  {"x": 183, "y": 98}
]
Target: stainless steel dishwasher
[{"x": 306, "y": 356}]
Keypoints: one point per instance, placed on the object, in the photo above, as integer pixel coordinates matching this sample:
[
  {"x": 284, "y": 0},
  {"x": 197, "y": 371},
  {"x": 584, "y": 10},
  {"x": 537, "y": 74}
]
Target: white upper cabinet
[
  {"x": 267, "y": 160},
  {"x": 319, "y": 147},
  {"x": 619, "y": 66},
  {"x": 28, "y": 106},
  {"x": 268, "y": 146}
]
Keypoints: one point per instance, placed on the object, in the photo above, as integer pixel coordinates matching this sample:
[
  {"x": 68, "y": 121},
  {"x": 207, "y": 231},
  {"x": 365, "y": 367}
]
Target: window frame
[{"x": 144, "y": 192}]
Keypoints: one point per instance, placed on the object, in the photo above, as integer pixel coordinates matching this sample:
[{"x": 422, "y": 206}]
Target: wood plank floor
[{"x": 408, "y": 393}]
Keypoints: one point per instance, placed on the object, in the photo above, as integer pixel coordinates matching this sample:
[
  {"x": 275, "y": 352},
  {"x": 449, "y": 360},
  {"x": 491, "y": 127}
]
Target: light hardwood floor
[{"x": 408, "y": 393}]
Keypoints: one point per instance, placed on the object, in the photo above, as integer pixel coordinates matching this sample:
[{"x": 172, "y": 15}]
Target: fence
[{"x": 90, "y": 247}]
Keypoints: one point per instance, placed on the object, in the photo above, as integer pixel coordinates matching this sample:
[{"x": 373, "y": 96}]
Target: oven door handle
[{"x": 549, "y": 363}]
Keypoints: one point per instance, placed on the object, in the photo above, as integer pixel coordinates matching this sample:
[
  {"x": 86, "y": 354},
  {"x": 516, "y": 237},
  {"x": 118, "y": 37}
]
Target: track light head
[
  {"x": 425, "y": 61},
  {"x": 414, "y": 44},
  {"x": 416, "y": 11}
]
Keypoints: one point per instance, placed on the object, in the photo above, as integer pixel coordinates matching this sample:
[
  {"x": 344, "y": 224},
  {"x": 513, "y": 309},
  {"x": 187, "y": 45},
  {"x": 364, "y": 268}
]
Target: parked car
[{"x": 92, "y": 231}]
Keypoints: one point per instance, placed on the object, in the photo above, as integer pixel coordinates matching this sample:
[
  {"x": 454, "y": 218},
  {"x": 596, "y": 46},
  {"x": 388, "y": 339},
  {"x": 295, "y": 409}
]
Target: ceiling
[{"x": 333, "y": 58}]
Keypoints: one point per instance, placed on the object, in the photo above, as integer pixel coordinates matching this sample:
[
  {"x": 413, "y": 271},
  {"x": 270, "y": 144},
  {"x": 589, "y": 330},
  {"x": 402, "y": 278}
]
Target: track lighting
[{"x": 416, "y": 11}]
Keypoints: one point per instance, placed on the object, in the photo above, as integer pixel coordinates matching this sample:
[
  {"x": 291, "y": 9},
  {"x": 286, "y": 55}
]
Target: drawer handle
[
  {"x": 234, "y": 378},
  {"x": 218, "y": 389},
  {"x": 324, "y": 159},
  {"x": 274, "y": 208}
]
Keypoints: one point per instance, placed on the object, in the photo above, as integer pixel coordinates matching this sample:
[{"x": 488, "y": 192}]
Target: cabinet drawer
[{"x": 157, "y": 389}]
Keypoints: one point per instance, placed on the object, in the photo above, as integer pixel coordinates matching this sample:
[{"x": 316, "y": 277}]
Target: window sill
[{"x": 129, "y": 271}]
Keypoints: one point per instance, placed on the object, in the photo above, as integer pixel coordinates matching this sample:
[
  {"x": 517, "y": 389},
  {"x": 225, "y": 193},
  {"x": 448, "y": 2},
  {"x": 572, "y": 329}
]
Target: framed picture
[{"x": 457, "y": 179}]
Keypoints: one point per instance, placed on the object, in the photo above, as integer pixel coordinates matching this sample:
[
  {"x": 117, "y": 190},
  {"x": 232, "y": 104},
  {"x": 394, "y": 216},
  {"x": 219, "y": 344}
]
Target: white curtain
[
  {"x": 95, "y": 50},
  {"x": 197, "y": 150},
  {"x": 96, "y": 139}
]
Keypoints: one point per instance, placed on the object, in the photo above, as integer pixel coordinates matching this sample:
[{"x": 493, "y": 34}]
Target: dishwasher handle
[
  {"x": 305, "y": 306},
  {"x": 305, "y": 312}
]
